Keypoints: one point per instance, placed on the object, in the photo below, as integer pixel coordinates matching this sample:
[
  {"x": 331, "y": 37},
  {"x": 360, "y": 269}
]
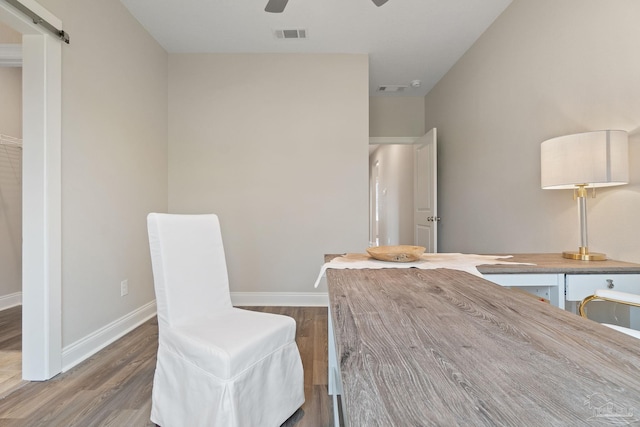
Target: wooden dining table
[{"x": 443, "y": 347}]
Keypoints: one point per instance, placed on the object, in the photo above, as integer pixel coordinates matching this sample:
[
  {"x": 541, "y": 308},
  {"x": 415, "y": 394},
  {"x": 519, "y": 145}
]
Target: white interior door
[{"x": 425, "y": 192}]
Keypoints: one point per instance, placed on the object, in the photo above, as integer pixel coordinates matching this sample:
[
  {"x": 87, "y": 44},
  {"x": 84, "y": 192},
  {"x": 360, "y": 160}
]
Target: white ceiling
[{"x": 406, "y": 39}]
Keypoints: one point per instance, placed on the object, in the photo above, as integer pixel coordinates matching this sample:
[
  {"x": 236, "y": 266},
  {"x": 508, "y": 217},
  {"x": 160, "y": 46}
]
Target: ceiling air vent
[
  {"x": 291, "y": 34},
  {"x": 392, "y": 88}
]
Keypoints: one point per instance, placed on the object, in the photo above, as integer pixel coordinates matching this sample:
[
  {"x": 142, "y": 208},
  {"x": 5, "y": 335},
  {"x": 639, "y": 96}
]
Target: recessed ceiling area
[{"x": 406, "y": 40}]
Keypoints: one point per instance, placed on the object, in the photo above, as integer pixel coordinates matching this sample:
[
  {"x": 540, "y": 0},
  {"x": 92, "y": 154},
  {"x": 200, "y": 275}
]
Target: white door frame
[{"x": 41, "y": 193}]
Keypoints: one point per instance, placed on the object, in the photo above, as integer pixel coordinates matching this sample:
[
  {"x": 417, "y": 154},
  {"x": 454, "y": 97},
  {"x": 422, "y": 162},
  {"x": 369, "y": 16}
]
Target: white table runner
[{"x": 453, "y": 261}]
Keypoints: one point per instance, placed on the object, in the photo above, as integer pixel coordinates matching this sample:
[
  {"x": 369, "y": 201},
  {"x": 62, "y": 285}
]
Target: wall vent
[
  {"x": 291, "y": 34},
  {"x": 392, "y": 88}
]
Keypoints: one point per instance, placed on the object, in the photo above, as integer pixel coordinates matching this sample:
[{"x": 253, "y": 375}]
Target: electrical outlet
[{"x": 124, "y": 287}]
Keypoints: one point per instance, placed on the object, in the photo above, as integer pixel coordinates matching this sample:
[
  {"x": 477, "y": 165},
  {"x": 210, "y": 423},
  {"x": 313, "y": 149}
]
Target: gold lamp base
[{"x": 583, "y": 254}]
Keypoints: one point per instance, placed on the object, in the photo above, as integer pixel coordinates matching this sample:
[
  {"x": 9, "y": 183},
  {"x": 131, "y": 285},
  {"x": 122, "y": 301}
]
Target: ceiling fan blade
[
  {"x": 277, "y": 6},
  {"x": 379, "y": 2}
]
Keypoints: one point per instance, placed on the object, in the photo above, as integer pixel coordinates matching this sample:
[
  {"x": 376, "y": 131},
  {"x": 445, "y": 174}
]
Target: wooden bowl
[{"x": 400, "y": 253}]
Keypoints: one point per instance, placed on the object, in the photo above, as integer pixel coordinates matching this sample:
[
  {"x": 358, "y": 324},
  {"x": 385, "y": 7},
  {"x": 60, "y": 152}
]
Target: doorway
[
  {"x": 403, "y": 191},
  {"x": 10, "y": 210},
  {"x": 391, "y": 194}
]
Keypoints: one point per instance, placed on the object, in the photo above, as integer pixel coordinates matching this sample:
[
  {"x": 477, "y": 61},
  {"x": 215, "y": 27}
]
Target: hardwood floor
[
  {"x": 113, "y": 388},
  {"x": 10, "y": 350},
  {"x": 11, "y": 329}
]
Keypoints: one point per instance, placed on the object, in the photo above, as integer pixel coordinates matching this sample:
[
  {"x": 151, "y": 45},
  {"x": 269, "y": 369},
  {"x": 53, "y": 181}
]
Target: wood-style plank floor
[
  {"x": 113, "y": 387},
  {"x": 10, "y": 350}
]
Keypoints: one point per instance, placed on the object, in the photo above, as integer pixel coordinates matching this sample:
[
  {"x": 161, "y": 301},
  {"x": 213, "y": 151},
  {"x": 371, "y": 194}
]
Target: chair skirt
[{"x": 265, "y": 394}]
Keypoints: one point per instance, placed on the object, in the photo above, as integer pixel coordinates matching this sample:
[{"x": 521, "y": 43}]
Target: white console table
[{"x": 563, "y": 282}]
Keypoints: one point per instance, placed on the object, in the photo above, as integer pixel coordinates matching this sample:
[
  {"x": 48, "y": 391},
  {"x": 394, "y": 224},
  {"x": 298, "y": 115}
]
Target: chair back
[{"x": 189, "y": 266}]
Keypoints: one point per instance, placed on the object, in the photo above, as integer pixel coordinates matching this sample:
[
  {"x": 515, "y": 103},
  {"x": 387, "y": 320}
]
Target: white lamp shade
[{"x": 593, "y": 159}]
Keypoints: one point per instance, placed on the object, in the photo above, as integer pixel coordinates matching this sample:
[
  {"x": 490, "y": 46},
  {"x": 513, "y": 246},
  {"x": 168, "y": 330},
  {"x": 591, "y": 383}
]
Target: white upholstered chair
[
  {"x": 625, "y": 298},
  {"x": 217, "y": 365}
]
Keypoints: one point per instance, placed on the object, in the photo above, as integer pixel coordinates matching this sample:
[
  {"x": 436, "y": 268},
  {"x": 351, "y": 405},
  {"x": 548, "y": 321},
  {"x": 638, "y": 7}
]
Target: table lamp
[{"x": 581, "y": 161}]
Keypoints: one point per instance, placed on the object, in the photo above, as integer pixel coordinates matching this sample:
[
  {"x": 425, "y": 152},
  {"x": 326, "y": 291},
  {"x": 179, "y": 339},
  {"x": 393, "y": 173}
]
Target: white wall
[
  {"x": 276, "y": 145},
  {"x": 396, "y": 116},
  {"x": 545, "y": 68},
  {"x": 11, "y": 101},
  {"x": 9, "y": 35},
  {"x": 114, "y": 161},
  {"x": 10, "y": 221},
  {"x": 395, "y": 193}
]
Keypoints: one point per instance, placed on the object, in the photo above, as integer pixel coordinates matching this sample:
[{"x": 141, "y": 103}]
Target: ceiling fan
[{"x": 277, "y": 6}]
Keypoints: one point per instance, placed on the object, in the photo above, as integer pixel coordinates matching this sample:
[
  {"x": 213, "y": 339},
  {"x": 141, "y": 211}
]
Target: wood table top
[
  {"x": 555, "y": 263},
  {"x": 444, "y": 347}
]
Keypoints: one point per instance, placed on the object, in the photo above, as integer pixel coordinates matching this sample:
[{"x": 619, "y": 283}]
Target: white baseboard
[
  {"x": 96, "y": 341},
  {"x": 299, "y": 299},
  {"x": 11, "y": 300}
]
